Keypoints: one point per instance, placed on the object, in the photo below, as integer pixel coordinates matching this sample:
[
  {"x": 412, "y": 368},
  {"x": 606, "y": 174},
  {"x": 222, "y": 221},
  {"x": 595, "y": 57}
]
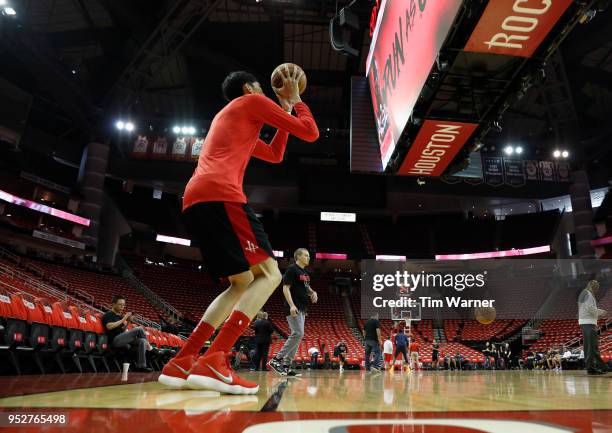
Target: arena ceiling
[{"x": 88, "y": 62}]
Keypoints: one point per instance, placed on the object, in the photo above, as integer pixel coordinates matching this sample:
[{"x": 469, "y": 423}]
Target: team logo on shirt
[{"x": 251, "y": 247}]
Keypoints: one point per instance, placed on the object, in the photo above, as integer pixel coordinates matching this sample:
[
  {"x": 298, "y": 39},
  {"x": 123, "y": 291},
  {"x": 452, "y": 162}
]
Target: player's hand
[
  {"x": 314, "y": 297},
  {"x": 290, "y": 90},
  {"x": 293, "y": 311},
  {"x": 288, "y": 107}
]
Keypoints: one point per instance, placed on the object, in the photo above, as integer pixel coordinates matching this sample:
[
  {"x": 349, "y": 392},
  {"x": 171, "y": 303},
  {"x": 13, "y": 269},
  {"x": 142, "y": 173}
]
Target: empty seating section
[
  {"x": 102, "y": 287},
  {"x": 498, "y": 330},
  {"x": 189, "y": 290},
  {"x": 45, "y": 328},
  {"x": 556, "y": 332}
]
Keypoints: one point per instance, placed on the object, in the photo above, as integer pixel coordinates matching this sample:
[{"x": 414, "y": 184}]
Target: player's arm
[
  {"x": 273, "y": 152},
  {"x": 378, "y": 334},
  {"x": 287, "y": 293},
  {"x": 313, "y": 295},
  {"x": 267, "y": 111}
]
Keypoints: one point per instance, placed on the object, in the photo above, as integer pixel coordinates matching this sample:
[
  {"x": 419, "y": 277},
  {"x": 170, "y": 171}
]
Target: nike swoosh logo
[
  {"x": 185, "y": 372},
  {"x": 226, "y": 379}
]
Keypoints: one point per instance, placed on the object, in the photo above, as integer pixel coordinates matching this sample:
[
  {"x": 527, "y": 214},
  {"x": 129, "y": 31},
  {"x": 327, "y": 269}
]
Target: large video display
[{"x": 405, "y": 43}]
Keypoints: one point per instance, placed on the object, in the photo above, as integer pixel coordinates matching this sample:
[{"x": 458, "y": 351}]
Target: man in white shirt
[
  {"x": 388, "y": 353},
  {"x": 588, "y": 313}
]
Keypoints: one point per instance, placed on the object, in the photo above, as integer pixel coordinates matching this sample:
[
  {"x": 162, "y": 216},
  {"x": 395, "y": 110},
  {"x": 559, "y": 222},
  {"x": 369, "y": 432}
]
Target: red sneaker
[
  {"x": 213, "y": 372},
  {"x": 175, "y": 372}
]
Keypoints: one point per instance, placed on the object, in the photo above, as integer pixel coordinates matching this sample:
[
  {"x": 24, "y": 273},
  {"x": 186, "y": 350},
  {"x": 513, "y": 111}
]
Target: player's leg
[
  {"x": 212, "y": 370},
  {"x": 284, "y": 357},
  {"x": 175, "y": 372},
  {"x": 368, "y": 353}
]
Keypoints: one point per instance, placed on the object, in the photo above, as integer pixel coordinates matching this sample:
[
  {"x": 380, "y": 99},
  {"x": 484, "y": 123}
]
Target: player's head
[
  {"x": 593, "y": 286},
  {"x": 118, "y": 303},
  {"x": 302, "y": 256},
  {"x": 240, "y": 83}
]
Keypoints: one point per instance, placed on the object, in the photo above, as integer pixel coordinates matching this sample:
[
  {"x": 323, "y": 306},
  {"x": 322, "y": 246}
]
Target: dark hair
[
  {"x": 232, "y": 85},
  {"x": 116, "y": 298}
]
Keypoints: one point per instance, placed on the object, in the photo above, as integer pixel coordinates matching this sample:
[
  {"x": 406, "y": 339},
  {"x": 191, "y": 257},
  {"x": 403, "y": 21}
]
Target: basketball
[
  {"x": 485, "y": 315},
  {"x": 277, "y": 78}
]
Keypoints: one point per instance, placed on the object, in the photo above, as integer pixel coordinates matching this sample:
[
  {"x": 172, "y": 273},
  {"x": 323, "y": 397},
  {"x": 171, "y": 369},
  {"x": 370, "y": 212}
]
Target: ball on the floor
[
  {"x": 485, "y": 315},
  {"x": 277, "y": 78}
]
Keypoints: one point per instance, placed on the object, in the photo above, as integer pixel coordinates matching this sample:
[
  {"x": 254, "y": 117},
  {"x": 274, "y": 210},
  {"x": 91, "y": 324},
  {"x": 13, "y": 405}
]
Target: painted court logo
[{"x": 391, "y": 425}]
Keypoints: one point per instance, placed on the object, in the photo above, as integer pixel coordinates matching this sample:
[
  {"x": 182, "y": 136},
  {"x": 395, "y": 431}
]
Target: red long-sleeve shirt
[{"x": 232, "y": 140}]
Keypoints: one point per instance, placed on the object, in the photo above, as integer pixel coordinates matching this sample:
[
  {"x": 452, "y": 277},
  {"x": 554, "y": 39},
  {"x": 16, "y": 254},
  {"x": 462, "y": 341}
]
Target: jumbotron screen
[{"x": 405, "y": 43}]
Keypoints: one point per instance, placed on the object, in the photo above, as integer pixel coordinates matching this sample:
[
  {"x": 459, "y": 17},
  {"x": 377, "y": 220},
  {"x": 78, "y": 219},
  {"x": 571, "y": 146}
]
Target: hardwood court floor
[{"x": 349, "y": 402}]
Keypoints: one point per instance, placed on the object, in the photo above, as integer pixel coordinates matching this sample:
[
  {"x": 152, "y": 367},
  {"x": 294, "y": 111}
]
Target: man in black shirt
[
  {"x": 263, "y": 338},
  {"x": 297, "y": 291},
  {"x": 340, "y": 352},
  {"x": 115, "y": 326},
  {"x": 434, "y": 354},
  {"x": 371, "y": 334},
  {"x": 487, "y": 352}
]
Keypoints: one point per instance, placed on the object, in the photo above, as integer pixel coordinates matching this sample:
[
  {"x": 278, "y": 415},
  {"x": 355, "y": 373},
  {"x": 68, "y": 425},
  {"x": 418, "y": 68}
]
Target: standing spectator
[
  {"x": 435, "y": 348},
  {"x": 506, "y": 355},
  {"x": 487, "y": 352},
  {"x": 371, "y": 334},
  {"x": 588, "y": 313},
  {"x": 263, "y": 337},
  {"x": 297, "y": 291}
]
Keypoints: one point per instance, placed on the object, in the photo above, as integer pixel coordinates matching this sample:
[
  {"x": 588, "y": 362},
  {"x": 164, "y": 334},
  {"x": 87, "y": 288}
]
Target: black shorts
[
  {"x": 230, "y": 237},
  {"x": 434, "y": 356}
]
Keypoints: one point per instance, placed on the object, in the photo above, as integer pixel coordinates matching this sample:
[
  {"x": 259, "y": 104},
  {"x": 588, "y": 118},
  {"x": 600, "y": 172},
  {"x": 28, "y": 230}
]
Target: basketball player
[
  {"x": 414, "y": 353},
  {"x": 234, "y": 244},
  {"x": 401, "y": 346},
  {"x": 388, "y": 352},
  {"x": 297, "y": 291}
]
